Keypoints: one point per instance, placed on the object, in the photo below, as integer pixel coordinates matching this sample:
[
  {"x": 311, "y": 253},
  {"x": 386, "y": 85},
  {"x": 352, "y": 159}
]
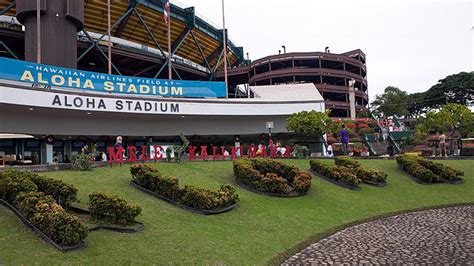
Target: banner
[{"x": 83, "y": 80}]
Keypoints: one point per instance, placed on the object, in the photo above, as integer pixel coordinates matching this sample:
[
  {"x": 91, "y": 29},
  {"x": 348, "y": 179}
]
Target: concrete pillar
[
  {"x": 60, "y": 22},
  {"x": 352, "y": 98}
]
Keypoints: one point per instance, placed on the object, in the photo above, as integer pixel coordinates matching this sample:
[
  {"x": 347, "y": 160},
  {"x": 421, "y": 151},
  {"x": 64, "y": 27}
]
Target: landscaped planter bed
[
  {"x": 198, "y": 200},
  {"x": 271, "y": 178},
  {"x": 42, "y": 204},
  {"x": 179, "y": 205},
  {"x": 43, "y": 236},
  {"x": 336, "y": 182},
  {"x": 424, "y": 171},
  {"x": 136, "y": 227},
  {"x": 372, "y": 177},
  {"x": 338, "y": 175},
  {"x": 251, "y": 189}
]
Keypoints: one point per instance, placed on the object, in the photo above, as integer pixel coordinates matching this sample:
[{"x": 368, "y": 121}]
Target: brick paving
[{"x": 440, "y": 236}]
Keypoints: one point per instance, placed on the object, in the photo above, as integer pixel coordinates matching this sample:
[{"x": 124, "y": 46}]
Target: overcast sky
[{"x": 408, "y": 44}]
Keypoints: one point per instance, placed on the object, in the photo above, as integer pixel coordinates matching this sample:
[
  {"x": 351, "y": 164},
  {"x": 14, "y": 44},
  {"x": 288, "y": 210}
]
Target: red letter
[
  {"x": 158, "y": 150},
  {"x": 273, "y": 153},
  {"x": 192, "y": 152},
  {"x": 145, "y": 156},
  {"x": 222, "y": 152},
  {"x": 264, "y": 151},
  {"x": 288, "y": 152},
  {"x": 233, "y": 153},
  {"x": 115, "y": 157},
  {"x": 204, "y": 154},
  {"x": 133, "y": 157},
  {"x": 251, "y": 152},
  {"x": 214, "y": 153}
]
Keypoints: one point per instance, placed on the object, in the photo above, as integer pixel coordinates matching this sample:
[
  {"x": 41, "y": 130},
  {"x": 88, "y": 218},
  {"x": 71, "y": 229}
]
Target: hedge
[
  {"x": 23, "y": 190},
  {"x": 338, "y": 173},
  {"x": 113, "y": 208},
  {"x": 191, "y": 196},
  {"x": 63, "y": 193},
  {"x": 426, "y": 170},
  {"x": 271, "y": 176},
  {"x": 370, "y": 175},
  {"x": 49, "y": 217}
]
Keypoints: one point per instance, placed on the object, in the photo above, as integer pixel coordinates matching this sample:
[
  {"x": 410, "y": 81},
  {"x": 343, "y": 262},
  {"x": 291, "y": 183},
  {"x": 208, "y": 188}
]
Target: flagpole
[
  {"x": 38, "y": 31},
  {"x": 225, "y": 51},
  {"x": 170, "y": 73},
  {"x": 110, "y": 39}
]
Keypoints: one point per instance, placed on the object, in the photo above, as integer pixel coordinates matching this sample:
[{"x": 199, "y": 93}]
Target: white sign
[{"x": 38, "y": 98}]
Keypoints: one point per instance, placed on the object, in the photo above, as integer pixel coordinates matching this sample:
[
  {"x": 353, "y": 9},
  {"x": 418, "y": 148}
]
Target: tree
[
  {"x": 392, "y": 102},
  {"x": 312, "y": 123},
  {"x": 451, "y": 117},
  {"x": 457, "y": 88}
]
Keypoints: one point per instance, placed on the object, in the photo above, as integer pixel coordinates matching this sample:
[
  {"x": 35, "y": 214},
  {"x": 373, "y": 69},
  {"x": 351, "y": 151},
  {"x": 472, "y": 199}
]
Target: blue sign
[{"x": 71, "y": 78}]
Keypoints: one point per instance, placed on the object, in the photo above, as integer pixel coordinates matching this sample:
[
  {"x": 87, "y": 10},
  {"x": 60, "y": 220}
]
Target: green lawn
[{"x": 257, "y": 231}]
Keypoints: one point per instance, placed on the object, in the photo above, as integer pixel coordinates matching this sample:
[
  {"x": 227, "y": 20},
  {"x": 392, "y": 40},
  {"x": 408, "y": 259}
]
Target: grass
[{"x": 256, "y": 232}]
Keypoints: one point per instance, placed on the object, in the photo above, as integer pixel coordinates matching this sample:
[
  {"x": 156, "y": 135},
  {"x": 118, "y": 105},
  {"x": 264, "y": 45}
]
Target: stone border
[
  {"x": 283, "y": 256},
  {"x": 453, "y": 182},
  {"x": 335, "y": 182},
  {"x": 292, "y": 194},
  {"x": 43, "y": 236},
  {"x": 134, "y": 184},
  {"x": 119, "y": 229}
]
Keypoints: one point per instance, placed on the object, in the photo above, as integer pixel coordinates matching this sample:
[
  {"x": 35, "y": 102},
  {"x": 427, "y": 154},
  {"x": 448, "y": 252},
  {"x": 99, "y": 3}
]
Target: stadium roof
[
  {"x": 128, "y": 15},
  {"x": 290, "y": 92}
]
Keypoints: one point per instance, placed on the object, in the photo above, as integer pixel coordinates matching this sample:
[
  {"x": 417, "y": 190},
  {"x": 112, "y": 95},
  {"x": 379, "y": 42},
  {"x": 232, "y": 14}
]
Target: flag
[{"x": 166, "y": 13}]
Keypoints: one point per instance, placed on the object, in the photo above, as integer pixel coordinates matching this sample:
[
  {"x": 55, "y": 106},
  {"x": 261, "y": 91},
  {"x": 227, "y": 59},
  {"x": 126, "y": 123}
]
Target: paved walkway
[{"x": 441, "y": 236}]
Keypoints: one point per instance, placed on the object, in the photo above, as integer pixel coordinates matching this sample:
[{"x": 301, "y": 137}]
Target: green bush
[
  {"x": 10, "y": 187},
  {"x": 151, "y": 179},
  {"x": 113, "y": 208},
  {"x": 411, "y": 165},
  {"x": 441, "y": 170},
  {"x": 338, "y": 173},
  {"x": 271, "y": 176},
  {"x": 82, "y": 162},
  {"x": 62, "y": 192},
  {"x": 371, "y": 175},
  {"x": 49, "y": 217}
]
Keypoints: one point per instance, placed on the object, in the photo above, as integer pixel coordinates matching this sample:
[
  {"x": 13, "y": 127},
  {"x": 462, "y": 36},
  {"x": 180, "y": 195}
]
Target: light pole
[
  {"x": 269, "y": 126},
  {"x": 284, "y": 49},
  {"x": 225, "y": 50},
  {"x": 38, "y": 31}
]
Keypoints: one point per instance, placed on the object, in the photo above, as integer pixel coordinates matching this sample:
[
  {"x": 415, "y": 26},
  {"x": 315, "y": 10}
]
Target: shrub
[
  {"x": 362, "y": 173},
  {"x": 62, "y": 192},
  {"x": 467, "y": 149},
  {"x": 410, "y": 164},
  {"x": 82, "y": 162},
  {"x": 302, "y": 182},
  {"x": 346, "y": 161},
  {"x": 49, "y": 217},
  {"x": 445, "y": 172},
  {"x": 190, "y": 196},
  {"x": 373, "y": 175},
  {"x": 113, "y": 208},
  {"x": 10, "y": 187},
  {"x": 271, "y": 176},
  {"x": 338, "y": 173}
]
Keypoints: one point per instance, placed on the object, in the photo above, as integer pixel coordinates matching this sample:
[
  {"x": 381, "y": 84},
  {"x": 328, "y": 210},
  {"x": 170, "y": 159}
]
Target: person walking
[
  {"x": 442, "y": 145},
  {"x": 344, "y": 137}
]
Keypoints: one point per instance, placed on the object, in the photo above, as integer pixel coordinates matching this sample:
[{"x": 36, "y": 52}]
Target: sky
[{"x": 408, "y": 44}]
